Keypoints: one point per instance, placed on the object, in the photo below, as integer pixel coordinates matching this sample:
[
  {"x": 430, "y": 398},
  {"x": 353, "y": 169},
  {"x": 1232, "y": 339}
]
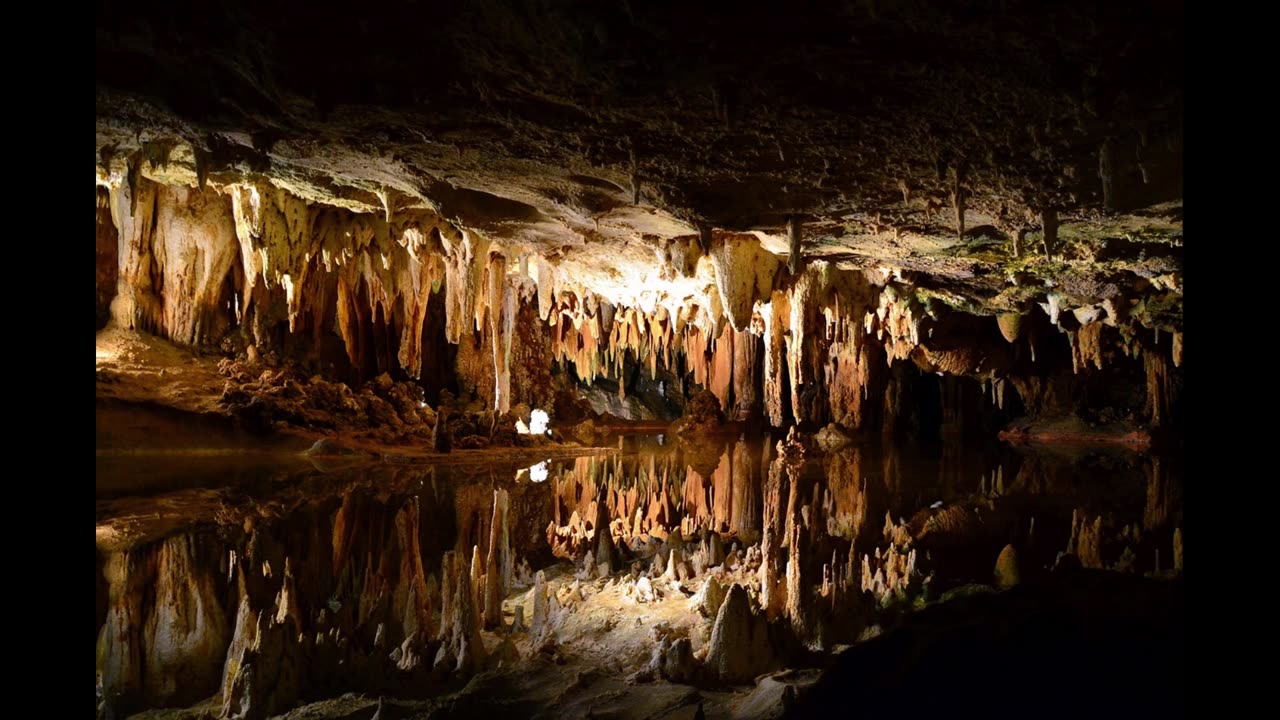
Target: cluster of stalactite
[
  {"x": 806, "y": 345},
  {"x": 1152, "y": 546},
  {"x": 195, "y": 262}
]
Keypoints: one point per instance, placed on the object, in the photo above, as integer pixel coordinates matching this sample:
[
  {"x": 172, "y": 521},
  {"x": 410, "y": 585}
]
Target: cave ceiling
[{"x": 911, "y": 140}]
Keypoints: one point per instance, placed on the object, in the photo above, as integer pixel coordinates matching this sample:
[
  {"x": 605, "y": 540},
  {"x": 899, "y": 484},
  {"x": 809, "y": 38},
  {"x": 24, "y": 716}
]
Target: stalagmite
[
  {"x": 739, "y": 648},
  {"x": 538, "y": 625}
]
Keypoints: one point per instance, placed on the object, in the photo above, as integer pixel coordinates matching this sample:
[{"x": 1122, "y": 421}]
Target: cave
[{"x": 605, "y": 358}]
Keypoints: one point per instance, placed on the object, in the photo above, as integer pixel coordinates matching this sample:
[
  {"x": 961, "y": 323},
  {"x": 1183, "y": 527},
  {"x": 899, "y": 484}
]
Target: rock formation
[{"x": 739, "y": 647}]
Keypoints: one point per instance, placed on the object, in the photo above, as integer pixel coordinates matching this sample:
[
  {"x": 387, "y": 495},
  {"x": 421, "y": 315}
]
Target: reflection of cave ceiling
[{"x": 592, "y": 133}]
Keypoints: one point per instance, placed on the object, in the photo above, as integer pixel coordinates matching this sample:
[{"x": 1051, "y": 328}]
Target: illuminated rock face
[{"x": 350, "y": 294}]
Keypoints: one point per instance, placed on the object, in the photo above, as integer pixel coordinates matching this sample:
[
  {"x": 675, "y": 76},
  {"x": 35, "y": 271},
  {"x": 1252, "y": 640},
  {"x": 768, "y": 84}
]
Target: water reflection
[{"x": 199, "y": 563}]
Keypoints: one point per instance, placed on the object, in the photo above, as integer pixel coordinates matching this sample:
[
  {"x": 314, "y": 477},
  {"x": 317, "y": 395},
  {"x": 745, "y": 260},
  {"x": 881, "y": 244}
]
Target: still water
[{"x": 184, "y": 542}]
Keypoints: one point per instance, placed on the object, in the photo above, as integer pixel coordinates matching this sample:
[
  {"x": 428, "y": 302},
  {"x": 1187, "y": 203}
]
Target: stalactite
[
  {"x": 464, "y": 267},
  {"x": 746, "y": 372},
  {"x": 502, "y": 311},
  {"x": 1177, "y": 349},
  {"x": 1106, "y": 173},
  {"x": 133, "y": 212},
  {"x": 720, "y": 379},
  {"x": 1049, "y": 227},
  {"x": 276, "y": 243},
  {"x": 1086, "y": 346},
  {"x": 744, "y": 273},
  {"x": 775, "y": 316},
  {"x": 546, "y": 288},
  {"x": 798, "y": 342},
  {"x": 1010, "y": 325}
]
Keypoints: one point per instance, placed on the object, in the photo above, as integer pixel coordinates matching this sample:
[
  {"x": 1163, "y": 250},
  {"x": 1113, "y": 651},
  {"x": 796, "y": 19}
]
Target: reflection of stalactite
[
  {"x": 498, "y": 561},
  {"x": 776, "y": 490},
  {"x": 1161, "y": 505},
  {"x": 1159, "y": 387},
  {"x": 643, "y": 502},
  {"x": 797, "y": 538},
  {"x": 1086, "y": 539}
]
